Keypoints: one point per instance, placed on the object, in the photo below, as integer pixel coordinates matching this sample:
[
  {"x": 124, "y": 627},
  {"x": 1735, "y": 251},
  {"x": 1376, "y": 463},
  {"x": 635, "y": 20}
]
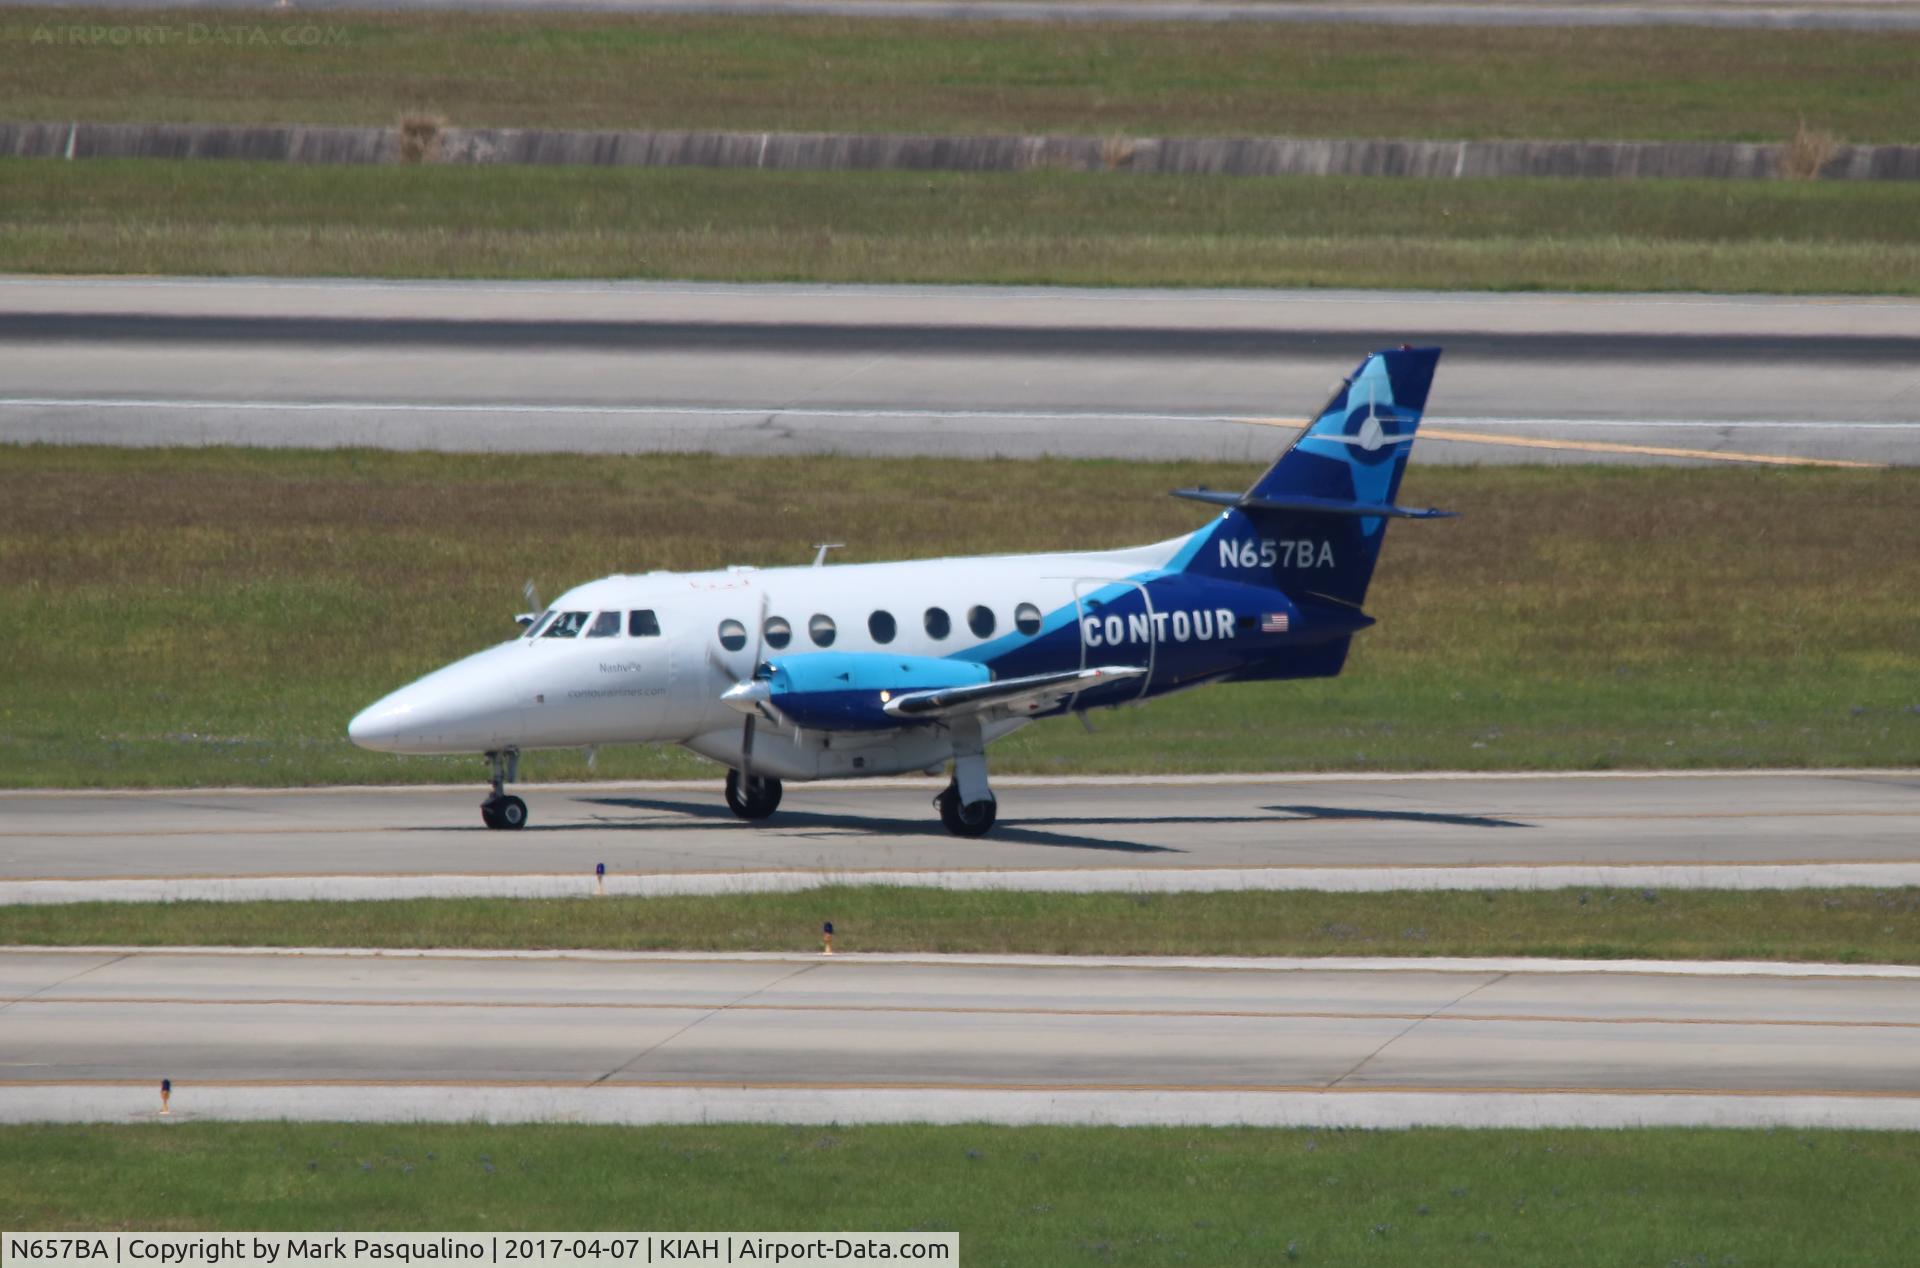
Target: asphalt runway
[
  {"x": 1204, "y": 833},
  {"x": 1850, "y": 15},
  {"x": 89, "y": 1034},
  {"x": 960, "y": 371}
]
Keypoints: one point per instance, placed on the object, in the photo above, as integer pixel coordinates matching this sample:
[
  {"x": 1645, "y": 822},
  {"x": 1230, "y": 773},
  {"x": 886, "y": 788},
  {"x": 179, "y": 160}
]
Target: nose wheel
[
  {"x": 502, "y": 810},
  {"x": 752, "y": 796}
]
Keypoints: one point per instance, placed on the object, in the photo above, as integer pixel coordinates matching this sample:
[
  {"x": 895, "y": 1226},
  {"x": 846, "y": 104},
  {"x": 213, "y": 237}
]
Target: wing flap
[{"x": 1015, "y": 695}]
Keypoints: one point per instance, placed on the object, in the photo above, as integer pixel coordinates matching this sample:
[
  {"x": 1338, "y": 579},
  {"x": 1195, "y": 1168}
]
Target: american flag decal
[{"x": 1274, "y": 623}]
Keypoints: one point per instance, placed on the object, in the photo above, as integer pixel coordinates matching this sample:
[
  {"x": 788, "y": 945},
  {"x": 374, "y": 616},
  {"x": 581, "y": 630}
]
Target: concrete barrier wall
[
  {"x": 292, "y": 144},
  {"x": 833, "y": 151}
]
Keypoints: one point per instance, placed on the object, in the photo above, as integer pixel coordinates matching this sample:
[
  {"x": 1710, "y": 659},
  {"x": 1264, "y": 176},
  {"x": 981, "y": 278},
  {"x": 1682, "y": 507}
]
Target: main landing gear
[
  {"x": 752, "y": 796},
  {"x": 500, "y": 810},
  {"x": 966, "y": 805}
]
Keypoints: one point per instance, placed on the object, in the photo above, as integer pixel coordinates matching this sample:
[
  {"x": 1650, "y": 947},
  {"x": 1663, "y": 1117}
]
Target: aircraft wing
[{"x": 1030, "y": 694}]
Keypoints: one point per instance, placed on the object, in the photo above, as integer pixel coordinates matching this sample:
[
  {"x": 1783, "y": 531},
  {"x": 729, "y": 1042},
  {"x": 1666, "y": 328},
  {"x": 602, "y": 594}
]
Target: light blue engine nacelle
[{"x": 847, "y": 691}]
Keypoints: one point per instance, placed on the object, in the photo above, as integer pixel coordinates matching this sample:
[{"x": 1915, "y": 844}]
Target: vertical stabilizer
[{"x": 1313, "y": 524}]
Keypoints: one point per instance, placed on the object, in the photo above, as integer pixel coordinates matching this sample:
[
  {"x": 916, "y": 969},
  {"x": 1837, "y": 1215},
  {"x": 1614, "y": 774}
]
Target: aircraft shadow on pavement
[
  {"x": 711, "y": 815},
  {"x": 1396, "y": 816}
]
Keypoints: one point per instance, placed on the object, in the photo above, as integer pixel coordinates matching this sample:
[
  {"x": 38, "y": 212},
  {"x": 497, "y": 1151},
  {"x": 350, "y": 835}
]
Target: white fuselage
[{"x": 591, "y": 672}]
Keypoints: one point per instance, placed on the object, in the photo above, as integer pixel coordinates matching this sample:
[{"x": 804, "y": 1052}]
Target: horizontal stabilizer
[
  {"x": 1310, "y": 503},
  {"x": 1029, "y": 694}
]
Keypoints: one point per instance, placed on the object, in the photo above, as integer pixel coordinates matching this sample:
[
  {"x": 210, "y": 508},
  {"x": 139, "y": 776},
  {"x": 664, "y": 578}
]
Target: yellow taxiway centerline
[{"x": 1597, "y": 446}]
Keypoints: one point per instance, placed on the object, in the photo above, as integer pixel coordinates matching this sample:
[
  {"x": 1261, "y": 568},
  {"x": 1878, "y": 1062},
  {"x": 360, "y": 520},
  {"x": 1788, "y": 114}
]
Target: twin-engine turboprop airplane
[{"x": 880, "y": 669}]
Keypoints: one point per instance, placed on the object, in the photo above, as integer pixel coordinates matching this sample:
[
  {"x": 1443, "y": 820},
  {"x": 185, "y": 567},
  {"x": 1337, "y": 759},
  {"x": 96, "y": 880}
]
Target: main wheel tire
[
  {"x": 973, "y": 819},
  {"x": 512, "y": 813},
  {"x": 487, "y": 816},
  {"x": 754, "y": 798}
]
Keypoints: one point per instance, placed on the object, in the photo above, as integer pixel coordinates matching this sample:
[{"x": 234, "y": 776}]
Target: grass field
[
  {"x": 1129, "y": 1196},
  {"x": 552, "y": 70},
  {"x": 1032, "y": 227},
  {"x": 220, "y": 614},
  {"x": 1828, "y": 926}
]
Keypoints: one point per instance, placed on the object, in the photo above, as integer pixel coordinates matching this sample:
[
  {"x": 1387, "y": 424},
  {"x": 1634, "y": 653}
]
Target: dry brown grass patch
[
  {"x": 419, "y": 137},
  {"x": 1116, "y": 152},
  {"x": 1807, "y": 153}
]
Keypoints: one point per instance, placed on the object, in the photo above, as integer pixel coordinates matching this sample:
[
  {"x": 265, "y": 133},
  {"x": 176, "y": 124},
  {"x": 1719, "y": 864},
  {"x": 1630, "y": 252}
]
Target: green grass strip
[
  {"x": 1833, "y": 925},
  {"x": 614, "y": 71},
  {"x": 1036, "y": 1195},
  {"x": 1029, "y": 227},
  {"x": 221, "y": 614}
]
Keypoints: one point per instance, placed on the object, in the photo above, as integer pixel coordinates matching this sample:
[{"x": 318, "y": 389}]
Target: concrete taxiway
[
  {"x": 88, "y": 1034},
  {"x": 942, "y": 371},
  {"x": 1749, "y": 829}
]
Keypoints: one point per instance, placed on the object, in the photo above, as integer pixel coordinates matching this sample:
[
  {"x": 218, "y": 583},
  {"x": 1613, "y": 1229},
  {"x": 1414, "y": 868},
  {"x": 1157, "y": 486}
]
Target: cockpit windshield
[{"x": 553, "y": 623}]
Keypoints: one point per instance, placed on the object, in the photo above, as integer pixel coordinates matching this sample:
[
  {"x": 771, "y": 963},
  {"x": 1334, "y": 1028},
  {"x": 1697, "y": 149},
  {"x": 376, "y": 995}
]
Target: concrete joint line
[{"x": 712, "y": 1012}]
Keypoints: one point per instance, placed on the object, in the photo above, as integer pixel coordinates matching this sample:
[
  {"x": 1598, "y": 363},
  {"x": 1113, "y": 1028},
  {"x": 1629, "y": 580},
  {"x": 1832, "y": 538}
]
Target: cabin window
[
  {"x": 881, "y": 626},
  {"x": 980, "y": 620},
  {"x": 546, "y": 619},
  {"x": 567, "y": 625},
  {"x": 733, "y": 635},
  {"x": 779, "y": 632},
  {"x": 1026, "y": 619},
  {"x": 605, "y": 625},
  {"x": 642, "y": 623},
  {"x": 821, "y": 630},
  {"x": 939, "y": 625}
]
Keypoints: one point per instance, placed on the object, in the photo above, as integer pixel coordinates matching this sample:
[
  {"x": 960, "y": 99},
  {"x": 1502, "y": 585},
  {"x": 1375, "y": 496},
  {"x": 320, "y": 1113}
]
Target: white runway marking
[
  {"x": 1481, "y": 964},
  {"x": 635, "y": 1106},
  {"x": 1078, "y": 880}
]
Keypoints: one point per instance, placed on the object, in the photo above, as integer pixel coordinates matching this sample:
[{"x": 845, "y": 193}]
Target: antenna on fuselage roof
[{"x": 820, "y": 550}]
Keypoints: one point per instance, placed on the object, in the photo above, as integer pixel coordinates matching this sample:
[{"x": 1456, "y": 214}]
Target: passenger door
[{"x": 1128, "y": 615}]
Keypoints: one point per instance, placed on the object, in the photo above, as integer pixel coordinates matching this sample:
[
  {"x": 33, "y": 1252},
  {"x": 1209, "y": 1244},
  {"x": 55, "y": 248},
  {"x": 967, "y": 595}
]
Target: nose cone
[
  {"x": 747, "y": 697},
  {"x": 471, "y": 706},
  {"x": 380, "y": 726}
]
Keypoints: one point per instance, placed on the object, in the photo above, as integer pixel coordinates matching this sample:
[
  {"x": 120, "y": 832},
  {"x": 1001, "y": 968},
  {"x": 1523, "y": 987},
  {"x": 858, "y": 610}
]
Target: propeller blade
[
  {"x": 753, "y": 667},
  {"x": 532, "y": 614}
]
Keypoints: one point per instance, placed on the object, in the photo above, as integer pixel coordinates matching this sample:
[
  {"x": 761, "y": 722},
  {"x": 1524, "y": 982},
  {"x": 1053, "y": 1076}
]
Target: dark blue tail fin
[{"x": 1313, "y": 524}]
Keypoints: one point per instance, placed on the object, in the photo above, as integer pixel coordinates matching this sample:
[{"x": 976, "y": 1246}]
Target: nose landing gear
[{"x": 501, "y": 810}]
